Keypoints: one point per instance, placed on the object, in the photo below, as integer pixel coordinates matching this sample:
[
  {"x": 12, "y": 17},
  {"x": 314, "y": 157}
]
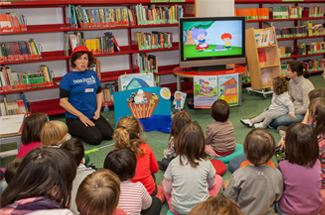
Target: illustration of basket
[{"x": 146, "y": 109}]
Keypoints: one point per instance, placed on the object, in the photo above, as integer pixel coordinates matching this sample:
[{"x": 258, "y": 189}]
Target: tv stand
[{"x": 212, "y": 68}]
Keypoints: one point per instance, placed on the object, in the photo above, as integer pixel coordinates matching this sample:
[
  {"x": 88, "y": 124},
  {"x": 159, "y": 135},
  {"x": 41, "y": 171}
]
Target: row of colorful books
[
  {"x": 10, "y": 108},
  {"x": 253, "y": 13},
  {"x": 12, "y": 22},
  {"x": 282, "y": 12},
  {"x": 10, "y": 80},
  {"x": 109, "y": 17},
  {"x": 285, "y": 51},
  {"x": 99, "y": 45},
  {"x": 286, "y": 12},
  {"x": 148, "y": 63},
  {"x": 152, "y": 14},
  {"x": 153, "y": 40},
  {"x": 108, "y": 92},
  {"x": 308, "y": 65},
  {"x": 265, "y": 38},
  {"x": 287, "y": 32},
  {"x": 311, "y": 48},
  {"x": 21, "y": 50}
]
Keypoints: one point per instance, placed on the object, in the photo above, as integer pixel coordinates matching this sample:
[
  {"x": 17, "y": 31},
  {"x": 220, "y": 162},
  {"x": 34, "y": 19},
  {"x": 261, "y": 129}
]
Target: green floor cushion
[
  {"x": 169, "y": 212},
  {"x": 238, "y": 151}
]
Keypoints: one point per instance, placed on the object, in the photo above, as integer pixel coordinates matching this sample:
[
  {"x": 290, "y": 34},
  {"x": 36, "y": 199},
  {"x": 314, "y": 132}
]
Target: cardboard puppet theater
[{"x": 150, "y": 104}]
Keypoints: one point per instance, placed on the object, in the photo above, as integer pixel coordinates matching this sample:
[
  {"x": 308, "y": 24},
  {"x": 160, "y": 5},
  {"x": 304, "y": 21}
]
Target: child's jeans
[{"x": 214, "y": 191}]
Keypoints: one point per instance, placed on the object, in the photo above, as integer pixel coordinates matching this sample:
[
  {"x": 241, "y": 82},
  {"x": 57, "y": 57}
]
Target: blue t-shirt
[{"x": 82, "y": 87}]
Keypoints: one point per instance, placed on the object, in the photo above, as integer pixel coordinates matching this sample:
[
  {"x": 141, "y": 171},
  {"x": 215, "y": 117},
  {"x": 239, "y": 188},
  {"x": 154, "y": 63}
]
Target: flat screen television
[{"x": 209, "y": 43}]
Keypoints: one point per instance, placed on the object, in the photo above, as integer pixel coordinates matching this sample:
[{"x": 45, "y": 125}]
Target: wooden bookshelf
[
  {"x": 52, "y": 106},
  {"x": 270, "y": 65}
]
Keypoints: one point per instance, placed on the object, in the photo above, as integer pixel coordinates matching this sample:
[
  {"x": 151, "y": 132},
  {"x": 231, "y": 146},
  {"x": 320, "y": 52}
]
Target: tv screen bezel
[{"x": 211, "y": 60}]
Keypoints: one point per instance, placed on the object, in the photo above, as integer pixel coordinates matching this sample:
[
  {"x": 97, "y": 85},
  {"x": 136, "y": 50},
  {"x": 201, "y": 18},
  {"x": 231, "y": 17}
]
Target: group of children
[{"x": 49, "y": 174}]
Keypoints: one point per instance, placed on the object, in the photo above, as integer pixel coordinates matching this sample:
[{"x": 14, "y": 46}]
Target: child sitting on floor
[
  {"x": 220, "y": 137},
  {"x": 301, "y": 171},
  {"x": 54, "y": 133},
  {"x": 31, "y": 133},
  {"x": 190, "y": 178},
  {"x": 10, "y": 173},
  {"x": 76, "y": 149},
  {"x": 179, "y": 120},
  {"x": 281, "y": 104},
  {"x": 216, "y": 205},
  {"x": 134, "y": 198},
  {"x": 128, "y": 135},
  {"x": 99, "y": 194},
  {"x": 256, "y": 187},
  {"x": 317, "y": 116}
]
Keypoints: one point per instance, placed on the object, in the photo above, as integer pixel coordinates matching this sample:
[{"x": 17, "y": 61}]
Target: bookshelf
[
  {"x": 287, "y": 22},
  {"x": 263, "y": 60},
  {"x": 51, "y": 106}
]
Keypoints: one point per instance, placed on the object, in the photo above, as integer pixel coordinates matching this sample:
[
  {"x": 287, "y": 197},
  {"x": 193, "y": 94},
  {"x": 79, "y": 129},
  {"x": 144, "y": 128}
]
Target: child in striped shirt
[{"x": 134, "y": 197}]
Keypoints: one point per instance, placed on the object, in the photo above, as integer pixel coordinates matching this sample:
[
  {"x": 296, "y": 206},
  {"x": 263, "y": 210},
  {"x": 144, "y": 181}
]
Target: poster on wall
[
  {"x": 205, "y": 91},
  {"x": 228, "y": 88},
  {"x": 151, "y": 105}
]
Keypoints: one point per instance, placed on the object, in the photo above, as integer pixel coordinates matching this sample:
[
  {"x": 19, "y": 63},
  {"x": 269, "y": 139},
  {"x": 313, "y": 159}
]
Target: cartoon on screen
[{"x": 212, "y": 38}]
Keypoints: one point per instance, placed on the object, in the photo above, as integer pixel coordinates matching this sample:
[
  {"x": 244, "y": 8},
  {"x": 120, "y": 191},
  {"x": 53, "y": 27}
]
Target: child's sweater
[{"x": 221, "y": 136}]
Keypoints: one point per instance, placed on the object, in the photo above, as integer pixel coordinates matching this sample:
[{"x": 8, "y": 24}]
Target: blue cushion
[
  {"x": 169, "y": 212},
  {"x": 238, "y": 151}
]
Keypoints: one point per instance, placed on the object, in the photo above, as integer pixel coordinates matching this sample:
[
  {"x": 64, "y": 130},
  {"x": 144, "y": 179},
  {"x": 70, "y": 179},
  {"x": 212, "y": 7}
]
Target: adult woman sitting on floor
[{"x": 81, "y": 96}]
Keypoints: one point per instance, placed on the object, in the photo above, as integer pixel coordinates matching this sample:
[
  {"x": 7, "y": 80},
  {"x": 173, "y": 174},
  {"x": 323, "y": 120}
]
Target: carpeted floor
[{"x": 252, "y": 105}]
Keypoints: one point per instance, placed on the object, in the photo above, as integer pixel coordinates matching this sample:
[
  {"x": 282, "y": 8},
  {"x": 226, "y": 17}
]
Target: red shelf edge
[{"x": 288, "y": 19}]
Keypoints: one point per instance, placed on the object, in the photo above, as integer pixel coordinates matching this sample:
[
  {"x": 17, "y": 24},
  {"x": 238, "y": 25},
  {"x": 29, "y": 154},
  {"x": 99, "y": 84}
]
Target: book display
[{"x": 79, "y": 18}]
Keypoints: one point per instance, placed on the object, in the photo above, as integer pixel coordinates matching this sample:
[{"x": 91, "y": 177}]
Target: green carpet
[{"x": 252, "y": 105}]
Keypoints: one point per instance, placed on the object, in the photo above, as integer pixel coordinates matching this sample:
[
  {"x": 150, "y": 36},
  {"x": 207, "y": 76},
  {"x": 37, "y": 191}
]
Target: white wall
[{"x": 213, "y": 8}]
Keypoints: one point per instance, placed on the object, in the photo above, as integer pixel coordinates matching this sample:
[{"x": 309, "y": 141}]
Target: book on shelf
[
  {"x": 108, "y": 17},
  {"x": 108, "y": 92},
  {"x": 10, "y": 80},
  {"x": 314, "y": 65},
  {"x": 261, "y": 55},
  {"x": 148, "y": 63},
  {"x": 21, "y": 50},
  {"x": 253, "y": 13},
  {"x": 99, "y": 45},
  {"x": 153, "y": 40},
  {"x": 265, "y": 38},
  {"x": 96, "y": 67},
  {"x": 285, "y": 51},
  {"x": 154, "y": 14},
  {"x": 315, "y": 47},
  {"x": 12, "y": 22},
  {"x": 287, "y": 32},
  {"x": 10, "y": 108},
  {"x": 285, "y": 12},
  {"x": 315, "y": 11}
]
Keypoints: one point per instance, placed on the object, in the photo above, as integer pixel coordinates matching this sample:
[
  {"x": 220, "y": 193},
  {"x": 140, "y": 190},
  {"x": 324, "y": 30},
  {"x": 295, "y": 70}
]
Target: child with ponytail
[{"x": 128, "y": 135}]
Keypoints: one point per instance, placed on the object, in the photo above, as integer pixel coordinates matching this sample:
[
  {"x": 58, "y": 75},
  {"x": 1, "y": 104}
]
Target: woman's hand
[
  {"x": 318, "y": 26},
  {"x": 292, "y": 115},
  {"x": 281, "y": 143},
  {"x": 86, "y": 121},
  {"x": 96, "y": 115}
]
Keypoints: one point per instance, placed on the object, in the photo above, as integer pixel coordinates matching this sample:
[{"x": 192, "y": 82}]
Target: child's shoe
[
  {"x": 258, "y": 125},
  {"x": 246, "y": 122}
]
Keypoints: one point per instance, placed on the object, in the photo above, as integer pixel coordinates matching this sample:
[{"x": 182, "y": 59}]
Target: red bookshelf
[{"x": 52, "y": 106}]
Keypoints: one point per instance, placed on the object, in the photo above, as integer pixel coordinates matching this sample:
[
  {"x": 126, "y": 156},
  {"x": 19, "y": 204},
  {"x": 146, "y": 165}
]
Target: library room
[{"x": 162, "y": 107}]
